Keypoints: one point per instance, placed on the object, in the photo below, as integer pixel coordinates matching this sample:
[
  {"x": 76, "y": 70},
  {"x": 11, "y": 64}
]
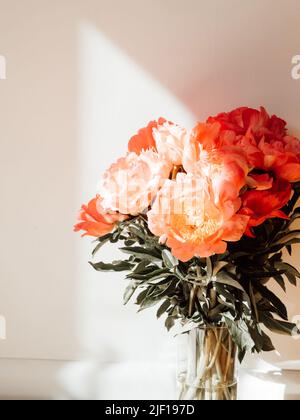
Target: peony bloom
[
  {"x": 263, "y": 205},
  {"x": 170, "y": 140},
  {"x": 205, "y": 155},
  {"x": 95, "y": 221},
  {"x": 192, "y": 218},
  {"x": 144, "y": 139},
  {"x": 245, "y": 120},
  {"x": 130, "y": 184},
  {"x": 162, "y": 136},
  {"x": 264, "y": 139}
]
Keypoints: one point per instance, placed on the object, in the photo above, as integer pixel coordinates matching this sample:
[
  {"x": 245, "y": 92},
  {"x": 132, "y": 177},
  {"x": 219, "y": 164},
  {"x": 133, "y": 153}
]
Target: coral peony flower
[
  {"x": 170, "y": 140},
  {"x": 264, "y": 139},
  {"x": 190, "y": 217},
  {"x": 263, "y": 205},
  {"x": 130, "y": 184},
  {"x": 162, "y": 136},
  {"x": 144, "y": 139},
  {"x": 95, "y": 221},
  {"x": 206, "y": 154}
]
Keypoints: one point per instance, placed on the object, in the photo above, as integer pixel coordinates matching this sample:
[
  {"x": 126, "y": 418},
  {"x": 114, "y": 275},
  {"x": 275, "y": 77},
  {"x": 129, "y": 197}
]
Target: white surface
[
  {"x": 82, "y": 75},
  {"x": 33, "y": 379}
]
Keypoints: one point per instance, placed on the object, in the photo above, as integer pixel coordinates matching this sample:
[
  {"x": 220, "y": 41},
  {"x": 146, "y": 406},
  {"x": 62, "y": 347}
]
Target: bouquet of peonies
[{"x": 204, "y": 218}]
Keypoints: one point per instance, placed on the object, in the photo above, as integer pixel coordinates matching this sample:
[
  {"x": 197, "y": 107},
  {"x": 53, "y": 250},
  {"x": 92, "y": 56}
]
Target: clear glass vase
[{"x": 207, "y": 365}]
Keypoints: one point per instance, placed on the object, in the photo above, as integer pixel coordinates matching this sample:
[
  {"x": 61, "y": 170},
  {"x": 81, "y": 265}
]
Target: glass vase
[{"x": 207, "y": 365}]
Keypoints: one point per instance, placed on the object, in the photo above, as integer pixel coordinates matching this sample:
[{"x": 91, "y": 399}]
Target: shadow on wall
[{"x": 204, "y": 53}]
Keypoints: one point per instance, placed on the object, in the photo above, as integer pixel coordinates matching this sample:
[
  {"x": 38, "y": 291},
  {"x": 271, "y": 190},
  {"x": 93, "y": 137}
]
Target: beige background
[{"x": 82, "y": 76}]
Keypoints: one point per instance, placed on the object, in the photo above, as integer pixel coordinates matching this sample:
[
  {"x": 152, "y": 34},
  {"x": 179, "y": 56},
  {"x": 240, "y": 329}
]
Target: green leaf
[
  {"x": 241, "y": 355},
  {"x": 288, "y": 267},
  {"x": 141, "y": 253},
  {"x": 141, "y": 297},
  {"x": 137, "y": 231},
  {"x": 271, "y": 297},
  {"x": 287, "y": 238},
  {"x": 115, "y": 266},
  {"x": 225, "y": 293},
  {"x": 140, "y": 267},
  {"x": 209, "y": 268},
  {"x": 129, "y": 292},
  {"x": 262, "y": 341},
  {"x": 277, "y": 326},
  {"x": 280, "y": 281},
  {"x": 169, "y": 260},
  {"x": 239, "y": 333},
  {"x": 265, "y": 274},
  {"x": 163, "y": 308},
  {"x": 218, "y": 267},
  {"x": 291, "y": 278},
  {"x": 170, "y": 322},
  {"x": 152, "y": 275},
  {"x": 267, "y": 343},
  {"x": 160, "y": 281},
  {"x": 278, "y": 247},
  {"x": 101, "y": 242},
  {"x": 224, "y": 278},
  {"x": 148, "y": 302},
  {"x": 169, "y": 291}
]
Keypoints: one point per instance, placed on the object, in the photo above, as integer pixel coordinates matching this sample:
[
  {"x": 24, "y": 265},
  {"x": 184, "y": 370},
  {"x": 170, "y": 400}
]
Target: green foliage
[{"x": 229, "y": 289}]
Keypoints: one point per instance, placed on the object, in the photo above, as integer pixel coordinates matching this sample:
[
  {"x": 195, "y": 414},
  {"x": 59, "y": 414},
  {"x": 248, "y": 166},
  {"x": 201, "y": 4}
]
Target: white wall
[{"x": 82, "y": 76}]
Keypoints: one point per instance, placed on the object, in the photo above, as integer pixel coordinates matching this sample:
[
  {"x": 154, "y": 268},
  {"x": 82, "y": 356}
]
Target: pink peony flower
[
  {"x": 162, "y": 136},
  {"x": 194, "y": 218},
  {"x": 170, "y": 140},
  {"x": 95, "y": 221},
  {"x": 144, "y": 139},
  {"x": 130, "y": 184}
]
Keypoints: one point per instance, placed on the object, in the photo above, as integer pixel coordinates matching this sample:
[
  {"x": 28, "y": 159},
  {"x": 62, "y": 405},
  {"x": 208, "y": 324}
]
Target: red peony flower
[
  {"x": 95, "y": 221},
  {"x": 263, "y": 205},
  {"x": 243, "y": 120},
  {"x": 264, "y": 139}
]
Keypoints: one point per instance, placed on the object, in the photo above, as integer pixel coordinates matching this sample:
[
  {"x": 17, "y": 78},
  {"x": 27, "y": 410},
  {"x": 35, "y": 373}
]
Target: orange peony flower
[
  {"x": 144, "y": 140},
  {"x": 130, "y": 184},
  {"x": 263, "y": 205},
  {"x": 95, "y": 221},
  {"x": 264, "y": 139},
  {"x": 189, "y": 214}
]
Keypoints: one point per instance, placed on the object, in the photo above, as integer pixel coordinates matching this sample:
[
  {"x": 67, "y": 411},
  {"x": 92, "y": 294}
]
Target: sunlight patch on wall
[{"x": 116, "y": 98}]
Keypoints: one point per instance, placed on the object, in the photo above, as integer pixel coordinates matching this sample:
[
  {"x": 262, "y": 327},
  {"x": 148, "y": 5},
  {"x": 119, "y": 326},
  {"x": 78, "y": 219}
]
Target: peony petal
[
  {"x": 260, "y": 182},
  {"x": 94, "y": 221},
  {"x": 289, "y": 172},
  {"x": 144, "y": 140},
  {"x": 234, "y": 229}
]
